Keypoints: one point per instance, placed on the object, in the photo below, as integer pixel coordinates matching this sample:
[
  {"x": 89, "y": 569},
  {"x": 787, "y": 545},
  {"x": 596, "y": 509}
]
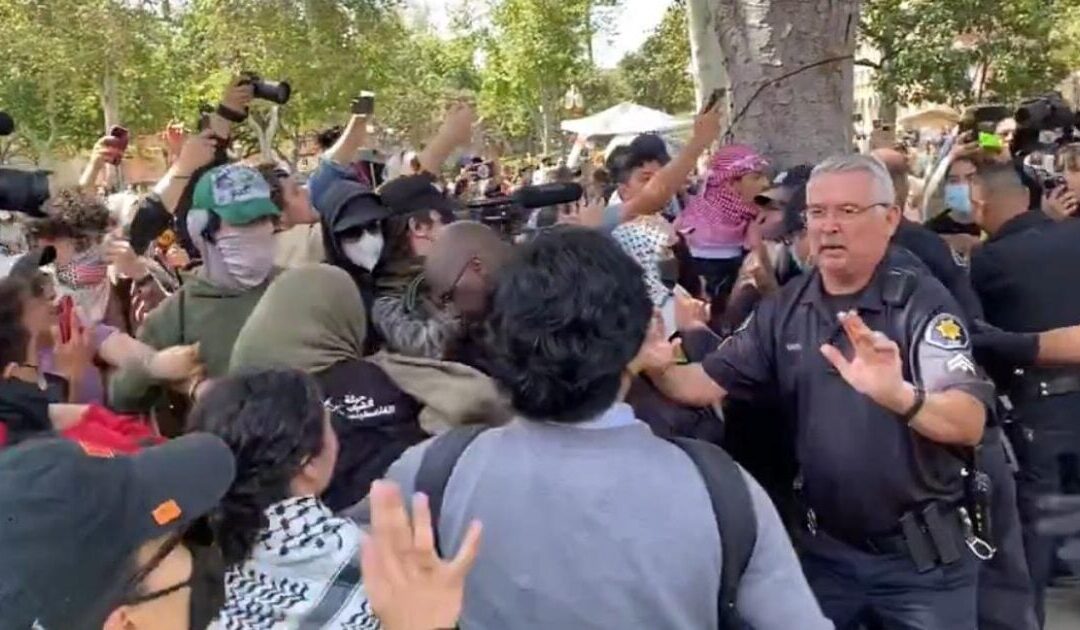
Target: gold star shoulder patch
[{"x": 946, "y": 331}]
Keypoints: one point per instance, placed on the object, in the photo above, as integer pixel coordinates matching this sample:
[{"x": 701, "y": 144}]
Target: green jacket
[{"x": 212, "y": 315}]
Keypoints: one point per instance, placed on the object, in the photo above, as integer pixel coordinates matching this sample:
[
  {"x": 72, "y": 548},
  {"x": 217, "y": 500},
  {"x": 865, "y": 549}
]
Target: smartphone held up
[
  {"x": 117, "y": 143},
  {"x": 364, "y": 104}
]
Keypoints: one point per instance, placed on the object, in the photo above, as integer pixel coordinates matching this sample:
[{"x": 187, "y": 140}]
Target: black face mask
[
  {"x": 669, "y": 271},
  {"x": 24, "y": 409}
]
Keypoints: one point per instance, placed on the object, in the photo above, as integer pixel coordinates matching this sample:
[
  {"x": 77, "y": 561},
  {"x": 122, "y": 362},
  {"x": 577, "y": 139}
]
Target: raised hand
[
  {"x": 238, "y": 95},
  {"x": 658, "y": 353},
  {"x": 408, "y": 585},
  {"x": 197, "y": 152},
  {"x": 876, "y": 369},
  {"x": 120, "y": 254},
  {"x": 72, "y": 357},
  {"x": 689, "y": 312},
  {"x": 458, "y": 124},
  {"x": 707, "y": 124}
]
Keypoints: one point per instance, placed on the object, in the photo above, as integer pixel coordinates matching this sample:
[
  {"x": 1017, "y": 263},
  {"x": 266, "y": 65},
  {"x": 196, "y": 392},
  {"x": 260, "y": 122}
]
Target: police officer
[
  {"x": 874, "y": 365},
  {"x": 1025, "y": 275},
  {"x": 1006, "y": 599}
]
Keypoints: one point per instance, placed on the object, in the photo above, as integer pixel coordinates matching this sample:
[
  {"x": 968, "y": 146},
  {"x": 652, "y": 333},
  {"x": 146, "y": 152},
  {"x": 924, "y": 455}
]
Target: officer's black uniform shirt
[
  {"x": 1027, "y": 278},
  {"x": 935, "y": 253},
  {"x": 1027, "y": 275},
  {"x": 862, "y": 467}
]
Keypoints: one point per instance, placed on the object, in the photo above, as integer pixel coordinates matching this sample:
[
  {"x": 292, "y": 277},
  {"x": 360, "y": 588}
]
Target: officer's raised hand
[{"x": 876, "y": 369}]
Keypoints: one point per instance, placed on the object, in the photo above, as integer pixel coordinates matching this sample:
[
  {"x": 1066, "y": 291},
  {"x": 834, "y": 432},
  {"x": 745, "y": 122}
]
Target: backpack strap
[
  {"x": 437, "y": 465},
  {"x": 735, "y": 520}
]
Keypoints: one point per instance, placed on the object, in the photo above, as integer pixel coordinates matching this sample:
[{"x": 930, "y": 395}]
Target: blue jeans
[{"x": 852, "y": 585}]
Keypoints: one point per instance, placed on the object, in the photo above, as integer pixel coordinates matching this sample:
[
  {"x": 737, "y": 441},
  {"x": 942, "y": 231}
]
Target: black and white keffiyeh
[{"x": 304, "y": 573}]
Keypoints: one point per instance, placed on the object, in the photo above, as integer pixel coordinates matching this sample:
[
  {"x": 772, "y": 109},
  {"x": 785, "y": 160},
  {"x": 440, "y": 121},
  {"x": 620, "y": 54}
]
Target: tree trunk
[
  {"x": 806, "y": 117},
  {"x": 110, "y": 108},
  {"x": 264, "y": 134},
  {"x": 110, "y": 100},
  {"x": 706, "y": 57}
]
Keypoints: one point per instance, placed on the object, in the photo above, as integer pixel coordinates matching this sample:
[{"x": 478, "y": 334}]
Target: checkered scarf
[
  {"x": 719, "y": 202},
  {"x": 643, "y": 240}
]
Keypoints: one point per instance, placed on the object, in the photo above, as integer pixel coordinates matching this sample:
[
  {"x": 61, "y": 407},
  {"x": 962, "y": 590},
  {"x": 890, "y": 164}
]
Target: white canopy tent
[{"x": 625, "y": 119}]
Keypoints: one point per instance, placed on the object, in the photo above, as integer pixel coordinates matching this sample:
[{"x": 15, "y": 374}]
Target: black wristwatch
[
  {"x": 230, "y": 114},
  {"x": 920, "y": 400}
]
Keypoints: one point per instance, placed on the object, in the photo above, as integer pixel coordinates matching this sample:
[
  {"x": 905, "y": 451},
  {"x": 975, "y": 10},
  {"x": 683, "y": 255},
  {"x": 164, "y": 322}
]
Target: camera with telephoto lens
[
  {"x": 275, "y": 92},
  {"x": 21, "y": 191},
  {"x": 1043, "y": 123},
  {"x": 7, "y": 124}
]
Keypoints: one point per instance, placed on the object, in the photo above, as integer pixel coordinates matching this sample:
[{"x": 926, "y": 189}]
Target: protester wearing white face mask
[{"x": 231, "y": 224}]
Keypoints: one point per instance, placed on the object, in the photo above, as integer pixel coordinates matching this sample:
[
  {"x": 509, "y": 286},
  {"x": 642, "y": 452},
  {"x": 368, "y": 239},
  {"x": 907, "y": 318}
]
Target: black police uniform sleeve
[
  {"x": 932, "y": 250},
  {"x": 744, "y": 363},
  {"x": 942, "y": 358},
  {"x": 1001, "y": 350}
]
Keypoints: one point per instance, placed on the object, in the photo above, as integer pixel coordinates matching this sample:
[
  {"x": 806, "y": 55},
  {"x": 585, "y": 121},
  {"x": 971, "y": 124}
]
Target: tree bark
[
  {"x": 264, "y": 134},
  {"x": 806, "y": 117},
  {"x": 706, "y": 56},
  {"x": 110, "y": 109}
]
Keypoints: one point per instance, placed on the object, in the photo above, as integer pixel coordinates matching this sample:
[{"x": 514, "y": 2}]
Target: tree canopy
[
  {"x": 965, "y": 51},
  {"x": 658, "y": 74}
]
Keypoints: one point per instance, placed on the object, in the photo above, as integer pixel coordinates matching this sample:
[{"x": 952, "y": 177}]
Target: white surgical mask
[{"x": 364, "y": 251}]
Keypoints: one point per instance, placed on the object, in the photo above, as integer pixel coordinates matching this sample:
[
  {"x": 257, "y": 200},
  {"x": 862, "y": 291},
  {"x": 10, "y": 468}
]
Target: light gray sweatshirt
[{"x": 603, "y": 525}]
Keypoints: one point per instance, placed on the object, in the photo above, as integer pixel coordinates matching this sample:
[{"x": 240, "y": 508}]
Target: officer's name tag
[{"x": 946, "y": 332}]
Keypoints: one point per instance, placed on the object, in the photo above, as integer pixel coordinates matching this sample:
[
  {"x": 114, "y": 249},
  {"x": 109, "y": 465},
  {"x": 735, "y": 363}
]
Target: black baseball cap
[
  {"x": 785, "y": 185},
  {"x": 413, "y": 193},
  {"x": 72, "y": 515},
  {"x": 351, "y": 205}
]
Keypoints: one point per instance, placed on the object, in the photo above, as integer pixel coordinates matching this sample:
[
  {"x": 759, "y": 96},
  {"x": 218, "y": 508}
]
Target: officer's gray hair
[{"x": 858, "y": 163}]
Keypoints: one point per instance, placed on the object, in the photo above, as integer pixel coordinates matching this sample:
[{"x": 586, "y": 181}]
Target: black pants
[
  {"x": 719, "y": 274},
  {"x": 852, "y": 586},
  {"x": 1006, "y": 598},
  {"x": 1043, "y": 461}
]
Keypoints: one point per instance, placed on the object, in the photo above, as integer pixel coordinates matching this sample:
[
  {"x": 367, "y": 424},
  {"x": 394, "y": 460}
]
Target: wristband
[
  {"x": 231, "y": 115},
  {"x": 920, "y": 400}
]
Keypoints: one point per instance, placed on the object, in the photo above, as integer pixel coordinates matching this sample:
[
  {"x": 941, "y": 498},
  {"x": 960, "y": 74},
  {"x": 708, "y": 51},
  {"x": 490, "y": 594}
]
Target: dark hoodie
[{"x": 347, "y": 207}]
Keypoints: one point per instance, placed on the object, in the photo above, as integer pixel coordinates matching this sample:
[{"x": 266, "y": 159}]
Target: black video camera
[
  {"x": 278, "y": 92},
  {"x": 1043, "y": 121},
  {"x": 509, "y": 214},
  {"x": 7, "y": 124},
  {"x": 21, "y": 191}
]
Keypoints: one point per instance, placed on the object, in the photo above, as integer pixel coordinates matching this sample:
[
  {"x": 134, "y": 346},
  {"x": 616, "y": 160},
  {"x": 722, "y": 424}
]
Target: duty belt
[
  {"x": 1035, "y": 385},
  {"x": 931, "y": 537}
]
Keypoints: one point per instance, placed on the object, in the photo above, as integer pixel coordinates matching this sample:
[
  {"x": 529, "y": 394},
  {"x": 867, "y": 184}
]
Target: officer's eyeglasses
[{"x": 844, "y": 213}]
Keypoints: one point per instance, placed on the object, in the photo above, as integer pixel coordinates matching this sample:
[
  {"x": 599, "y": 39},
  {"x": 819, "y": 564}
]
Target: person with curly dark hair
[
  {"x": 617, "y": 526},
  {"x": 110, "y": 283},
  {"x": 283, "y": 548}
]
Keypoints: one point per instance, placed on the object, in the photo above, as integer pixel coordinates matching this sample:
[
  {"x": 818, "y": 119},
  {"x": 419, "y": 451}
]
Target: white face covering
[{"x": 364, "y": 251}]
